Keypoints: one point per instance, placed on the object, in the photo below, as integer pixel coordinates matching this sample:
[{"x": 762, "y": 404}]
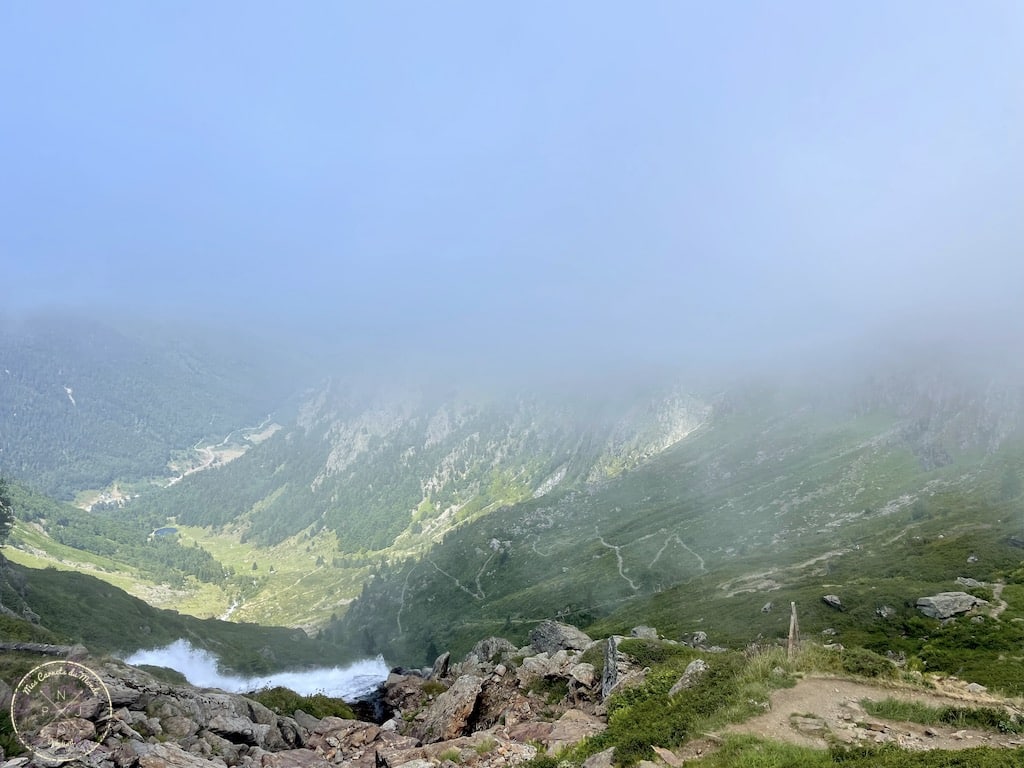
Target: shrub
[
  {"x": 284, "y": 701},
  {"x": 860, "y": 661}
]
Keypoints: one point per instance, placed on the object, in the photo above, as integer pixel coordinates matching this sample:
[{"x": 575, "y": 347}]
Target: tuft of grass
[
  {"x": 553, "y": 689},
  {"x": 284, "y": 701},
  {"x": 164, "y": 674},
  {"x": 433, "y": 688},
  {"x": 452, "y": 755},
  {"x": 485, "y": 746}
]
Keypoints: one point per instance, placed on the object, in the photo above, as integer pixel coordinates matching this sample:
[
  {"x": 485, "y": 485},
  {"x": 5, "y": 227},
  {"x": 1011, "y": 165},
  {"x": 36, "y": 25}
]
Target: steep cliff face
[{"x": 946, "y": 413}]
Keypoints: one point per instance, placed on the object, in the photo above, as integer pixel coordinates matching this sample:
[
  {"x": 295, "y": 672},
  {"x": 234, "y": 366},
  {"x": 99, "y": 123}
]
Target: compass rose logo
[{"x": 61, "y": 711}]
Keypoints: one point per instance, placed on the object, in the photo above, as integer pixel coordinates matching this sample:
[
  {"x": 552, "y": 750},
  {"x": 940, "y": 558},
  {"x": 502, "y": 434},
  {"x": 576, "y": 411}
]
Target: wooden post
[{"x": 794, "y": 631}]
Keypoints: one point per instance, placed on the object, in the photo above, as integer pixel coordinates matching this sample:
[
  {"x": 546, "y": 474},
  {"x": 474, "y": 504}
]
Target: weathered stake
[{"x": 794, "y": 631}]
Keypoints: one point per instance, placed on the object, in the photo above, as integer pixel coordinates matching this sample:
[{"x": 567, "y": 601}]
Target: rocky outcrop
[
  {"x": 945, "y": 605},
  {"x": 833, "y": 601},
  {"x": 521, "y": 701}
]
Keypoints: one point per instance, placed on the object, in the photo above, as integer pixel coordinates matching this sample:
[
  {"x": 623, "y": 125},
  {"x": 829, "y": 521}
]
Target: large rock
[
  {"x": 493, "y": 649},
  {"x": 833, "y": 601},
  {"x": 945, "y": 605},
  {"x": 693, "y": 672},
  {"x": 441, "y": 665},
  {"x": 167, "y": 755},
  {"x": 543, "y": 665},
  {"x": 450, "y": 714},
  {"x": 338, "y": 736},
  {"x": 403, "y": 693},
  {"x": 550, "y": 636},
  {"x": 571, "y": 728},
  {"x": 644, "y": 632}
]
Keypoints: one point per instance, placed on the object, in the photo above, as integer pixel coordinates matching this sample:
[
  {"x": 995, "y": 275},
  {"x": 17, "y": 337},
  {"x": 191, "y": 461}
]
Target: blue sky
[{"x": 642, "y": 178}]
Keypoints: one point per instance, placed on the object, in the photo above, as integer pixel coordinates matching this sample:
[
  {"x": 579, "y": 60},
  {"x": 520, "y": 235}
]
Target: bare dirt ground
[{"x": 819, "y": 711}]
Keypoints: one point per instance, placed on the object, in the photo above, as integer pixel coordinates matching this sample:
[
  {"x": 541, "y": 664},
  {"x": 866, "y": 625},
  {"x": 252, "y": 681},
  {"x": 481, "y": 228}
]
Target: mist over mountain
[
  {"x": 358, "y": 331},
  {"x": 88, "y": 401}
]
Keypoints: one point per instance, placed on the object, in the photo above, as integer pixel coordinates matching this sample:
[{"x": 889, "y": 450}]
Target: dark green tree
[{"x": 6, "y": 512}]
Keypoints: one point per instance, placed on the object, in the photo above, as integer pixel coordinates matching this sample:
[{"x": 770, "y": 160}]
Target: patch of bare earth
[{"x": 819, "y": 711}]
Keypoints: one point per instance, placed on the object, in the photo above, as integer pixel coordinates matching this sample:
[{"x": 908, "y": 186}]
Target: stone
[
  {"x": 293, "y": 758},
  {"x": 335, "y": 731},
  {"x": 644, "y": 632},
  {"x": 449, "y": 715},
  {"x": 601, "y": 759},
  {"x": 440, "y": 668},
  {"x": 699, "y": 639},
  {"x": 571, "y": 728},
  {"x": 167, "y": 755},
  {"x": 767, "y": 608},
  {"x": 945, "y": 605},
  {"x": 550, "y": 636},
  {"x": 885, "y": 612},
  {"x": 306, "y": 721},
  {"x": 494, "y": 649},
  {"x": 833, "y": 601},
  {"x": 964, "y": 581},
  {"x": 238, "y": 729},
  {"x": 531, "y": 730},
  {"x": 693, "y": 672},
  {"x": 584, "y": 674},
  {"x": 670, "y": 759}
]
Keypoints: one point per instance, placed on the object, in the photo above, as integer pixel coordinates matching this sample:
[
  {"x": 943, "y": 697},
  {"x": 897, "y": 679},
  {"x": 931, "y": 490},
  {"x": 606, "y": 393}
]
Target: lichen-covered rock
[
  {"x": 644, "y": 632},
  {"x": 551, "y": 636},
  {"x": 571, "y": 728},
  {"x": 450, "y": 713},
  {"x": 493, "y": 649},
  {"x": 441, "y": 665},
  {"x": 945, "y": 605},
  {"x": 833, "y": 601},
  {"x": 693, "y": 672}
]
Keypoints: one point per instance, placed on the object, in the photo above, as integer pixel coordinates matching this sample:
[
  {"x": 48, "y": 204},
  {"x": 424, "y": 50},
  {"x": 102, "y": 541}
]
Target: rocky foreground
[{"x": 497, "y": 707}]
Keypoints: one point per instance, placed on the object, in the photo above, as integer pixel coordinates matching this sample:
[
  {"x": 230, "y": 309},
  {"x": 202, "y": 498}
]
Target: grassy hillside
[
  {"x": 765, "y": 505},
  {"x": 86, "y": 403},
  {"x": 75, "y": 607}
]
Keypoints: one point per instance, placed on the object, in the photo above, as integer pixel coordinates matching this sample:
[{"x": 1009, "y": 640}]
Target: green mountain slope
[
  {"x": 79, "y": 608},
  {"x": 84, "y": 403},
  {"x": 775, "y": 493},
  {"x": 397, "y": 470}
]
